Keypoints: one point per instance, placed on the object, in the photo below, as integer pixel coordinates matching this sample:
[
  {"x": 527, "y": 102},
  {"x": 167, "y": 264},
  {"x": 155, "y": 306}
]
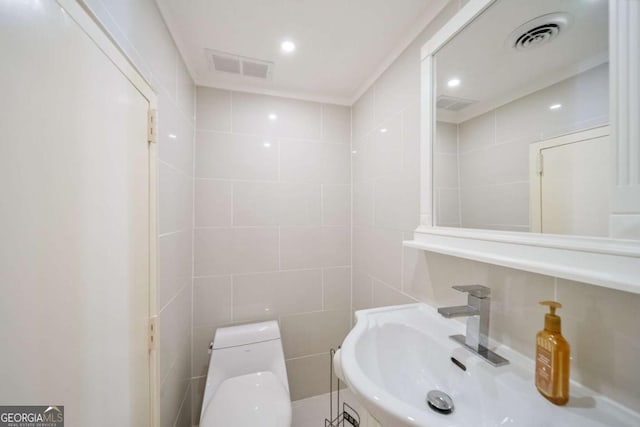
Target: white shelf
[{"x": 608, "y": 263}]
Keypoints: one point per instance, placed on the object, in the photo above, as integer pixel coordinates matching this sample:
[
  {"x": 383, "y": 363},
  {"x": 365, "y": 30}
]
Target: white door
[
  {"x": 575, "y": 186},
  {"x": 74, "y": 221}
]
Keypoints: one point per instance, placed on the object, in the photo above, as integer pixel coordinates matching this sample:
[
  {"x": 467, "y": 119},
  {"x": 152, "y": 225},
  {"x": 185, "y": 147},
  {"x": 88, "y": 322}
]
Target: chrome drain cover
[{"x": 440, "y": 402}]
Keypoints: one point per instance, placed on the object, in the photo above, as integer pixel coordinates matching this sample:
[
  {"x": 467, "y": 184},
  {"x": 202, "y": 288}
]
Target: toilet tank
[
  {"x": 245, "y": 349},
  {"x": 246, "y": 334}
]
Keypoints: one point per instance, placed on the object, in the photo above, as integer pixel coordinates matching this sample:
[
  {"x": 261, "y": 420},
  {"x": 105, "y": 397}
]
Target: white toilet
[{"x": 247, "y": 380}]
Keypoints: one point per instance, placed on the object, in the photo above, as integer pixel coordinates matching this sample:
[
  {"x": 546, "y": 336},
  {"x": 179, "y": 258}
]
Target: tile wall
[
  {"x": 139, "y": 29},
  {"x": 599, "y": 323},
  {"x": 272, "y": 233}
]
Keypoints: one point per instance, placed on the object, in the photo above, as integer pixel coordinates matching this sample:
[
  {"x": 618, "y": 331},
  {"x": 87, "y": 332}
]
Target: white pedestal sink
[{"x": 395, "y": 355}]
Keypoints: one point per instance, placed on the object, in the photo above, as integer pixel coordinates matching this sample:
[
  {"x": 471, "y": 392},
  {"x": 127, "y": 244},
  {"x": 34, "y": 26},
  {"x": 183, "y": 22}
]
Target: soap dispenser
[{"x": 552, "y": 358}]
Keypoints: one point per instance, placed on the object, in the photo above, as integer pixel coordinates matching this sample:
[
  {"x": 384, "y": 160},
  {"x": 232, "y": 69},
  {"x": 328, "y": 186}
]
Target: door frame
[{"x": 89, "y": 23}]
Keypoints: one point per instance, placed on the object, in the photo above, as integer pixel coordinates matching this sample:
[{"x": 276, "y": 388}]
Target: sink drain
[{"x": 440, "y": 402}]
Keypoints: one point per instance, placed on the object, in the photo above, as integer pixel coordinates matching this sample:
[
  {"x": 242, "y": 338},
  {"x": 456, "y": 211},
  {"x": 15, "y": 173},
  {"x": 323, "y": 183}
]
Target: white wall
[
  {"x": 599, "y": 323},
  {"x": 272, "y": 227},
  {"x": 139, "y": 29}
]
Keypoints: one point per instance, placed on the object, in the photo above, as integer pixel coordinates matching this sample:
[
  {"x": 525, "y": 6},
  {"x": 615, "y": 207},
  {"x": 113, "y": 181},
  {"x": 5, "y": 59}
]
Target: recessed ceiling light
[
  {"x": 287, "y": 46},
  {"x": 273, "y": 116},
  {"x": 172, "y": 136},
  {"x": 555, "y": 106},
  {"x": 354, "y": 151},
  {"x": 453, "y": 82},
  {"x": 383, "y": 130},
  {"x": 267, "y": 144}
]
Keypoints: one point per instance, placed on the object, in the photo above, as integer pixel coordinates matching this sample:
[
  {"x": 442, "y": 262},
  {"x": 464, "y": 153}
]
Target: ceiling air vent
[
  {"x": 539, "y": 31},
  {"x": 451, "y": 103},
  {"x": 236, "y": 64}
]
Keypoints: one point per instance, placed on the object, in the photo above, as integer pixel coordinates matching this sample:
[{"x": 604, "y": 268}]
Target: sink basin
[{"x": 395, "y": 355}]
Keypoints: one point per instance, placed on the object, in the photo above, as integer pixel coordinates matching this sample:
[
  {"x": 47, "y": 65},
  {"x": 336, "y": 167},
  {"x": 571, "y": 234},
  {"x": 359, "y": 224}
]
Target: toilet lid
[{"x": 251, "y": 400}]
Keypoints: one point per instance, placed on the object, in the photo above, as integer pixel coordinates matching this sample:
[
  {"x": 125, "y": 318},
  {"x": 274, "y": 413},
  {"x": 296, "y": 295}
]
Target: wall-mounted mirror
[
  {"x": 507, "y": 86},
  {"x": 531, "y": 138}
]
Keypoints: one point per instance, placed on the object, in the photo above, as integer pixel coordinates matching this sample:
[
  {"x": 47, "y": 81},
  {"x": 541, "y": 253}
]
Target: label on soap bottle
[{"x": 543, "y": 370}]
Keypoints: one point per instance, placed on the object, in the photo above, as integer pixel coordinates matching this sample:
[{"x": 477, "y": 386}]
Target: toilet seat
[{"x": 256, "y": 399}]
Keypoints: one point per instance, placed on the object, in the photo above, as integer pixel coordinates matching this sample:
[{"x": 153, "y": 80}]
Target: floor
[{"x": 313, "y": 411}]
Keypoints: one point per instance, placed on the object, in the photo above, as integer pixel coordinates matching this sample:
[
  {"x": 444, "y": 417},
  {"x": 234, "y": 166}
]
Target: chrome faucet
[{"x": 477, "y": 312}]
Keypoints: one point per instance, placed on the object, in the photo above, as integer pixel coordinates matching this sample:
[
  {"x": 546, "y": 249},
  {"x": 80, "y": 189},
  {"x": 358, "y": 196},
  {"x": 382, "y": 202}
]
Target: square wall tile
[
  {"x": 174, "y": 386},
  {"x": 302, "y": 161},
  {"x": 477, "y": 133},
  {"x": 255, "y": 203},
  {"x": 269, "y": 295},
  {"x": 308, "y": 247},
  {"x": 336, "y": 205},
  {"x": 299, "y": 204},
  {"x": 231, "y": 156},
  {"x": 174, "y": 199},
  {"x": 384, "y": 295},
  {"x": 212, "y": 203},
  {"x": 363, "y": 203},
  {"x": 213, "y": 109},
  {"x": 274, "y": 116},
  {"x": 312, "y": 333},
  {"x": 362, "y": 290},
  {"x": 235, "y": 250},
  {"x": 176, "y": 134},
  {"x": 309, "y": 376},
  {"x": 601, "y": 326},
  {"x": 211, "y": 300},
  {"x": 197, "y": 392},
  {"x": 174, "y": 330},
  {"x": 174, "y": 264},
  {"x": 336, "y": 123},
  {"x": 397, "y": 86},
  {"x": 362, "y": 115},
  {"x": 336, "y": 288},
  {"x": 396, "y": 202},
  {"x": 446, "y": 141}
]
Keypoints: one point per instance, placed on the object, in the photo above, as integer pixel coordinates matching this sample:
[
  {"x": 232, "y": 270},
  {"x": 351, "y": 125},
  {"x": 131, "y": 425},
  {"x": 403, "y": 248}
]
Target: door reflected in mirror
[{"x": 522, "y": 108}]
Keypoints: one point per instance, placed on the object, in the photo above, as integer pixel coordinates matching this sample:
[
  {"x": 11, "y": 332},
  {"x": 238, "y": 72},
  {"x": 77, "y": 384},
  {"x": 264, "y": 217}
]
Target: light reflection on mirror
[{"x": 518, "y": 77}]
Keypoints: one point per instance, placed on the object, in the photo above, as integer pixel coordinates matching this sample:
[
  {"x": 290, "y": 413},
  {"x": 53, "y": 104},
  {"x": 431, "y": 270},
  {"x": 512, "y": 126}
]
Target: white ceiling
[
  {"x": 494, "y": 73},
  {"x": 342, "y": 45}
]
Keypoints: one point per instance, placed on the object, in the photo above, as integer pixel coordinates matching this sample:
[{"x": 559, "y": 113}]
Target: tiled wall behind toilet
[
  {"x": 599, "y": 323},
  {"x": 272, "y": 227}
]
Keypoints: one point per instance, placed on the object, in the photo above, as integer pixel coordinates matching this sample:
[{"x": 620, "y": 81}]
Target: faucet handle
[{"x": 478, "y": 291}]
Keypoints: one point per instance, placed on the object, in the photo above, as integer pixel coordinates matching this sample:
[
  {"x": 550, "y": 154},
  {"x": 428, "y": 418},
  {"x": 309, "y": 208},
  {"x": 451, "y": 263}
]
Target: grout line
[
  {"x": 231, "y": 286},
  {"x": 193, "y": 230},
  {"x": 290, "y": 270},
  {"x": 351, "y": 186},
  {"x": 279, "y": 160},
  {"x": 170, "y": 233},
  {"x": 231, "y": 210},
  {"x": 302, "y": 140},
  {"x": 184, "y": 400},
  {"x": 458, "y": 174},
  {"x": 322, "y": 305},
  {"x": 231, "y": 111},
  {"x": 173, "y": 167},
  {"x": 322, "y": 205},
  {"x": 226, "y": 227},
  {"x": 322, "y": 121},
  {"x": 280, "y": 248},
  {"x": 174, "y": 297}
]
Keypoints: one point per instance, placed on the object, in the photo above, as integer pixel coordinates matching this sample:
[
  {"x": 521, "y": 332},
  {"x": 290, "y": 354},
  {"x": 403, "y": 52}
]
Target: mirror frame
[{"x": 607, "y": 262}]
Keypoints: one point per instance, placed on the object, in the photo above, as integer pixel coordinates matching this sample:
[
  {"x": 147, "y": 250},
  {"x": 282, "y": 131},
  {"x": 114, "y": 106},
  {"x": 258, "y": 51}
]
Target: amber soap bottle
[{"x": 552, "y": 358}]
